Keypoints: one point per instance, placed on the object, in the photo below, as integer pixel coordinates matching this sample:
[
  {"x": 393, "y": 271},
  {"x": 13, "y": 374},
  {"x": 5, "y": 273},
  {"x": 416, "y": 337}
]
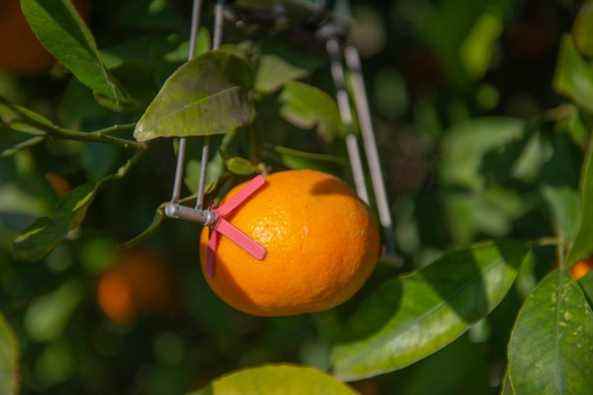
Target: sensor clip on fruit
[{"x": 222, "y": 227}]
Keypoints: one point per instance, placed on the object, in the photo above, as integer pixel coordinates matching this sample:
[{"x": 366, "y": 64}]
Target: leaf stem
[
  {"x": 21, "y": 146},
  {"x": 94, "y": 137}
]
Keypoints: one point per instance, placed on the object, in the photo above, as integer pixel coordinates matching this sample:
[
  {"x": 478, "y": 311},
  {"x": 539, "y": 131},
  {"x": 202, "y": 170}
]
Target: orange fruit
[
  {"x": 139, "y": 282},
  {"x": 320, "y": 239},
  {"x": 581, "y": 268},
  {"x": 20, "y": 51}
]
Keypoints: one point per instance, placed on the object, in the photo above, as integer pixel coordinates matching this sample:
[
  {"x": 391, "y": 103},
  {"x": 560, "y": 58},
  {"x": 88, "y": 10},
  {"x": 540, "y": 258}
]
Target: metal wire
[
  {"x": 369, "y": 143},
  {"x": 217, "y": 41},
  {"x": 195, "y": 27},
  {"x": 334, "y": 51}
]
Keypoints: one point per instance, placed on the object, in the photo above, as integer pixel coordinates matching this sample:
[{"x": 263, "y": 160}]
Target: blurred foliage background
[{"x": 476, "y": 143}]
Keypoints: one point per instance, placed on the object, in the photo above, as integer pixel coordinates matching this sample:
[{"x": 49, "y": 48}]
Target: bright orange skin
[
  {"x": 321, "y": 244},
  {"x": 20, "y": 51},
  {"x": 581, "y": 268},
  {"x": 139, "y": 282}
]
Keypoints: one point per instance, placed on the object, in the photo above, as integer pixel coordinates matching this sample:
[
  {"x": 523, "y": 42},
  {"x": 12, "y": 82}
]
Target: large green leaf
[
  {"x": 574, "y": 75},
  {"x": 308, "y": 107},
  {"x": 583, "y": 243},
  {"x": 276, "y": 380},
  {"x": 413, "y": 316},
  {"x": 582, "y": 30},
  {"x": 62, "y": 31},
  {"x": 40, "y": 238},
  {"x": 209, "y": 95},
  {"x": 9, "y": 357},
  {"x": 550, "y": 350}
]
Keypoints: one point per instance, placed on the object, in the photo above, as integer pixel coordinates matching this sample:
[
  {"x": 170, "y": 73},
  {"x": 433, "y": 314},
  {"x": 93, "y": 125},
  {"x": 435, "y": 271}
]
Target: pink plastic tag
[{"x": 222, "y": 227}]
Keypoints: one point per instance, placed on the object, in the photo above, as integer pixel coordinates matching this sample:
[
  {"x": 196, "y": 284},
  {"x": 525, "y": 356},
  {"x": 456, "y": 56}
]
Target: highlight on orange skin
[
  {"x": 139, "y": 282},
  {"x": 20, "y": 50},
  {"x": 581, "y": 268}
]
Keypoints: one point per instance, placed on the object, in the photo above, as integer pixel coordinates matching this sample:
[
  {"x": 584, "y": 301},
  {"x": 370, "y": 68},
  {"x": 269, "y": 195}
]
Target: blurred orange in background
[
  {"x": 20, "y": 51},
  {"x": 140, "y": 281}
]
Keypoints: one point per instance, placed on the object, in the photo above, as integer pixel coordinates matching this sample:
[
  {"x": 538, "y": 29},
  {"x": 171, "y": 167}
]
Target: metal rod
[
  {"x": 370, "y": 144},
  {"x": 195, "y": 26},
  {"x": 217, "y": 41},
  {"x": 337, "y": 70},
  {"x": 205, "y": 217}
]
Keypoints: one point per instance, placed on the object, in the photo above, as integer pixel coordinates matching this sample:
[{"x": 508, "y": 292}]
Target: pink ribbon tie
[{"x": 222, "y": 227}]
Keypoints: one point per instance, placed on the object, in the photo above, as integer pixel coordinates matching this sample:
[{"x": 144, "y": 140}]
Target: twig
[
  {"x": 21, "y": 146},
  {"x": 94, "y": 137}
]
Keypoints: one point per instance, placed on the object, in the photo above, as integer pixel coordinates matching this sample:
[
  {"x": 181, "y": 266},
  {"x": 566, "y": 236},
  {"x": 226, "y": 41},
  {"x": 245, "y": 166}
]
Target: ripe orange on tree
[
  {"x": 321, "y": 243},
  {"x": 20, "y": 51},
  {"x": 139, "y": 282},
  {"x": 581, "y": 268}
]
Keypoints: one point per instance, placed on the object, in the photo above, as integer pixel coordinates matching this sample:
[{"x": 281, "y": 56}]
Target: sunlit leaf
[
  {"x": 47, "y": 317},
  {"x": 309, "y": 107},
  {"x": 276, "y": 380},
  {"x": 574, "y": 75},
  {"x": 296, "y": 159},
  {"x": 240, "y": 166},
  {"x": 208, "y": 95},
  {"x": 9, "y": 360},
  {"x": 582, "y": 247},
  {"x": 273, "y": 72},
  {"x": 550, "y": 350},
  {"x": 413, "y": 316},
  {"x": 582, "y": 30},
  {"x": 62, "y": 31},
  {"x": 471, "y": 140}
]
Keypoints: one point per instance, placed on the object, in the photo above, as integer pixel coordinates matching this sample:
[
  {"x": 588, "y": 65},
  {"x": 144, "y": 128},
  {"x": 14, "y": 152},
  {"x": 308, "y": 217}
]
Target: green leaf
[
  {"x": 296, "y": 159},
  {"x": 582, "y": 247},
  {"x": 472, "y": 140},
  {"x": 506, "y": 388},
  {"x": 15, "y": 200},
  {"x": 33, "y": 141},
  {"x": 9, "y": 359},
  {"x": 413, "y": 316},
  {"x": 574, "y": 75},
  {"x": 274, "y": 72},
  {"x": 276, "y": 380},
  {"x": 308, "y": 107},
  {"x": 62, "y": 31},
  {"x": 564, "y": 206},
  {"x": 582, "y": 30},
  {"x": 47, "y": 317},
  {"x": 214, "y": 172},
  {"x": 208, "y": 95},
  {"x": 240, "y": 166},
  {"x": 550, "y": 350},
  {"x": 39, "y": 239},
  {"x": 158, "y": 219}
]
